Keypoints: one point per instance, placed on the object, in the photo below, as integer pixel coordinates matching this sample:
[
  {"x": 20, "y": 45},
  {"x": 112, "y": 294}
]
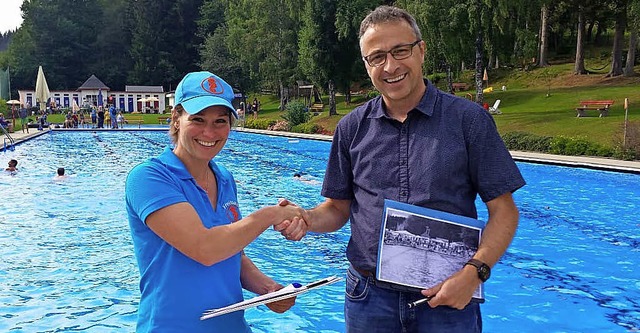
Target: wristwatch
[{"x": 484, "y": 271}]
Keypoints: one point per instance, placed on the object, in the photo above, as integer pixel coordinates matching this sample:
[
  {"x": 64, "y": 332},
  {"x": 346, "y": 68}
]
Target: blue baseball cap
[{"x": 200, "y": 90}]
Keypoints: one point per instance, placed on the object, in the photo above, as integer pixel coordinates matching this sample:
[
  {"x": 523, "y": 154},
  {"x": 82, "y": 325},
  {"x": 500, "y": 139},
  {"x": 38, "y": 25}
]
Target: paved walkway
[
  {"x": 19, "y": 136},
  {"x": 573, "y": 161}
]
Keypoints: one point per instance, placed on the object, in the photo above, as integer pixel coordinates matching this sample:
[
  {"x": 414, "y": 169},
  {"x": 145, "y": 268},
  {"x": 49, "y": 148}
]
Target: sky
[{"x": 10, "y": 15}]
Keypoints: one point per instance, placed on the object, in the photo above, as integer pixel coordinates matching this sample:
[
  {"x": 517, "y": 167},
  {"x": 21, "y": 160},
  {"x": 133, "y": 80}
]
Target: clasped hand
[{"x": 293, "y": 229}]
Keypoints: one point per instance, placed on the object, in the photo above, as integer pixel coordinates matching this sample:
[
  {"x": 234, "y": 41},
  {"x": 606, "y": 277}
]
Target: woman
[{"x": 187, "y": 230}]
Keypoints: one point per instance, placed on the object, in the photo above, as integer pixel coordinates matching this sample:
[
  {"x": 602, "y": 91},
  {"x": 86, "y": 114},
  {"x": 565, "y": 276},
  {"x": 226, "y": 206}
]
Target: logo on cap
[{"x": 211, "y": 85}]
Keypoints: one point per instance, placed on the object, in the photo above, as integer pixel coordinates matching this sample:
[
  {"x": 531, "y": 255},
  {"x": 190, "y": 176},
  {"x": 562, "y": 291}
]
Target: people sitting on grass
[
  {"x": 6, "y": 124},
  {"x": 42, "y": 121},
  {"x": 68, "y": 120},
  {"x": 81, "y": 121}
]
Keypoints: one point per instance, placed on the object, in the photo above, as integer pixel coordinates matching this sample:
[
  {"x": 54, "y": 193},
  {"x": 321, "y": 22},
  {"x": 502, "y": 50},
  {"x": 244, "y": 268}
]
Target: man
[
  {"x": 60, "y": 174},
  {"x": 100, "y": 117},
  {"x": 12, "y": 166},
  {"x": 24, "y": 123},
  {"x": 417, "y": 145},
  {"x": 113, "y": 116}
]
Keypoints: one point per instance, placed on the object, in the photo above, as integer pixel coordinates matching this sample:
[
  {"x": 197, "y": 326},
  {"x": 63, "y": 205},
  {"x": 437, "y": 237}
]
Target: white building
[{"x": 144, "y": 99}]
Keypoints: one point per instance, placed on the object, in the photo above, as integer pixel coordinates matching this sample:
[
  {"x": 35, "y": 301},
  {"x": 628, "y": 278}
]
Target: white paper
[{"x": 284, "y": 293}]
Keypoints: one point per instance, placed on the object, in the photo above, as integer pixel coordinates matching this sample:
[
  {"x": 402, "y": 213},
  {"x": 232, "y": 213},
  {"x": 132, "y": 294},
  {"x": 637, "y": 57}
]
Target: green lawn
[{"x": 528, "y": 110}]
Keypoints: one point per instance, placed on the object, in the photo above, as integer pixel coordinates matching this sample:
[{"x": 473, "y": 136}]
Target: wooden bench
[
  {"x": 134, "y": 119},
  {"x": 316, "y": 108},
  {"x": 163, "y": 120},
  {"x": 459, "y": 86},
  {"x": 601, "y": 106}
]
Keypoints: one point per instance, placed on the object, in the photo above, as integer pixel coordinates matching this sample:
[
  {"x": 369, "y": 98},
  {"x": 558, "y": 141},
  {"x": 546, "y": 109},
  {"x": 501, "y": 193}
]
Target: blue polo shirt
[
  {"x": 175, "y": 289},
  {"x": 442, "y": 156}
]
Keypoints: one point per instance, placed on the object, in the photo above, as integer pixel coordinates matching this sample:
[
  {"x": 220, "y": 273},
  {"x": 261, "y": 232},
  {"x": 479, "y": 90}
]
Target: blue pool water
[{"x": 67, "y": 260}]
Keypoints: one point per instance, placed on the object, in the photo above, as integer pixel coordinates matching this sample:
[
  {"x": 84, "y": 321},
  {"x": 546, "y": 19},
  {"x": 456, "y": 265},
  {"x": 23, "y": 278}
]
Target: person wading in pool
[
  {"x": 421, "y": 146},
  {"x": 188, "y": 232}
]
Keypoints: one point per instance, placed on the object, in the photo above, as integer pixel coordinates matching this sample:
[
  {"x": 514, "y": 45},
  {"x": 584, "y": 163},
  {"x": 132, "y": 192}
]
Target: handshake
[{"x": 296, "y": 225}]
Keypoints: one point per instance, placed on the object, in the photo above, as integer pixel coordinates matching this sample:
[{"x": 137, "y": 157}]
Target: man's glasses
[{"x": 399, "y": 52}]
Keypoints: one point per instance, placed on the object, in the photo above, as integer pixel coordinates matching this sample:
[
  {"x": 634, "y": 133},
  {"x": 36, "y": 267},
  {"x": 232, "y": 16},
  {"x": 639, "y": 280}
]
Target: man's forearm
[
  {"x": 329, "y": 216},
  {"x": 500, "y": 229}
]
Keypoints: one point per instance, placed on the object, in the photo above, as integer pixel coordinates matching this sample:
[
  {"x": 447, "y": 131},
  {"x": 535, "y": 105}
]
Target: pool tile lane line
[{"x": 573, "y": 161}]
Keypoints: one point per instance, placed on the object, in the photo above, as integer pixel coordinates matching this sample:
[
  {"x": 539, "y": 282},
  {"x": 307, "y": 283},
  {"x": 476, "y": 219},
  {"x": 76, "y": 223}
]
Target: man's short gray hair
[{"x": 384, "y": 14}]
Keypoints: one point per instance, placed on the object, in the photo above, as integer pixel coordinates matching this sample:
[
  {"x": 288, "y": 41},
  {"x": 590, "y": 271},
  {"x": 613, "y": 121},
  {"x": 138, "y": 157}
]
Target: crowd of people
[
  {"x": 91, "y": 117},
  {"x": 98, "y": 116}
]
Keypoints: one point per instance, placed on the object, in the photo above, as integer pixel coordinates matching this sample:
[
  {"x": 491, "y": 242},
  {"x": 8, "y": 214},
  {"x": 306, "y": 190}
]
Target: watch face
[{"x": 484, "y": 272}]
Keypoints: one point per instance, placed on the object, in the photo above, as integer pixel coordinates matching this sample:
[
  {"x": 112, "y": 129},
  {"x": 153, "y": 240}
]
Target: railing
[{"x": 12, "y": 142}]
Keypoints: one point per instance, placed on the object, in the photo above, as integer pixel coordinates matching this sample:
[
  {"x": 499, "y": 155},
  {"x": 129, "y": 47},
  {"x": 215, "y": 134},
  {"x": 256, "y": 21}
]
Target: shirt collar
[{"x": 425, "y": 106}]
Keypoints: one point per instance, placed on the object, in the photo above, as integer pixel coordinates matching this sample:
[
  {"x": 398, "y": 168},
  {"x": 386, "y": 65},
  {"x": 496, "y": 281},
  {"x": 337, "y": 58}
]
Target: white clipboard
[{"x": 284, "y": 293}]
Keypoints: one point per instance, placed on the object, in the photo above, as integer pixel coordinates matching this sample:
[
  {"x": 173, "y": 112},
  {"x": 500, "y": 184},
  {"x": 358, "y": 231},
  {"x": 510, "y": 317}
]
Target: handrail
[{"x": 12, "y": 142}]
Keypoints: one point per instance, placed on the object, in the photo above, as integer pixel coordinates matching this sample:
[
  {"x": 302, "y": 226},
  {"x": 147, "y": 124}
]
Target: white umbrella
[
  {"x": 74, "y": 106},
  {"x": 143, "y": 100},
  {"x": 13, "y": 101},
  {"x": 42, "y": 89},
  {"x": 152, "y": 99}
]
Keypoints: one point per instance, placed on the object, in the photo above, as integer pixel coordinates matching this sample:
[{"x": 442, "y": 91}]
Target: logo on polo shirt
[
  {"x": 211, "y": 85},
  {"x": 233, "y": 212}
]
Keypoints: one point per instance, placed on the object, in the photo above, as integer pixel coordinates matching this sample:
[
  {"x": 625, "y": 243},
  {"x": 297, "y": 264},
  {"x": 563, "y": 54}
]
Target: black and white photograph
[{"x": 420, "y": 247}]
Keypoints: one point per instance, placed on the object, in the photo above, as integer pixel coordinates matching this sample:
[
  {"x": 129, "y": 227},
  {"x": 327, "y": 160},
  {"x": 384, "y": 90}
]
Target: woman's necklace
[{"x": 206, "y": 184}]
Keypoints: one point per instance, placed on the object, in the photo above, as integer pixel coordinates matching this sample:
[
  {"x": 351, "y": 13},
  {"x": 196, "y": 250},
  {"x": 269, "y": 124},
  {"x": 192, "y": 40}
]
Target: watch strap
[{"x": 484, "y": 271}]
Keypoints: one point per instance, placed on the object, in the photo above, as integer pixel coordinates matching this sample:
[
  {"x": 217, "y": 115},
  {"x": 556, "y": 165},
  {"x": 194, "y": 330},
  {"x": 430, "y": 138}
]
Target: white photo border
[{"x": 452, "y": 255}]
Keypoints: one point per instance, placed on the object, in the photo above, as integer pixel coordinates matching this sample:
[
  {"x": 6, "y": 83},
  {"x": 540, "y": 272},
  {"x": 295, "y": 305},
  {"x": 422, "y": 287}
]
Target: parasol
[
  {"x": 74, "y": 105},
  {"x": 42, "y": 89}
]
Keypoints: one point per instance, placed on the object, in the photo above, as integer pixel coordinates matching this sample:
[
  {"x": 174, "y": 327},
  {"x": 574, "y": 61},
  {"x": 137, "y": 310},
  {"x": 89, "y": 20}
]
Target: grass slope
[{"x": 541, "y": 101}]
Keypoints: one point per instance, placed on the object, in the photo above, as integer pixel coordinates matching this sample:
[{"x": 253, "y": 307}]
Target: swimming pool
[{"x": 68, "y": 265}]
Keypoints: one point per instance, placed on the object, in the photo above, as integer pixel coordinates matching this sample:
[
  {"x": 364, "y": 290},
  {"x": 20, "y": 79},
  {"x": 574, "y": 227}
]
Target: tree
[
  {"x": 216, "y": 57},
  {"x": 444, "y": 26},
  {"x": 350, "y": 67},
  {"x": 109, "y": 58},
  {"x": 477, "y": 27},
  {"x": 264, "y": 35},
  {"x": 619, "y": 7},
  {"x": 326, "y": 56},
  {"x": 544, "y": 36},
  {"x": 634, "y": 27},
  {"x": 579, "y": 63},
  {"x": 164, "y": 40}
]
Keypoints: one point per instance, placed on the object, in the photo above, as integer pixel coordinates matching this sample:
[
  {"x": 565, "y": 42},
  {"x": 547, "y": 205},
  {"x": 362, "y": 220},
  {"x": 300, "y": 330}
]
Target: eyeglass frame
[{"x": 412, "y": 45}]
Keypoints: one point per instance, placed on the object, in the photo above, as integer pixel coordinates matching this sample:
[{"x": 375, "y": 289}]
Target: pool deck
[{"x": 572, "y": 161}]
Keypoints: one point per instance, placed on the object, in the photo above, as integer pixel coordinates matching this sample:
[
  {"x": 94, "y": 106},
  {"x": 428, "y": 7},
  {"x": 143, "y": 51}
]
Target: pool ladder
[{"x": 7, "y": 137}]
